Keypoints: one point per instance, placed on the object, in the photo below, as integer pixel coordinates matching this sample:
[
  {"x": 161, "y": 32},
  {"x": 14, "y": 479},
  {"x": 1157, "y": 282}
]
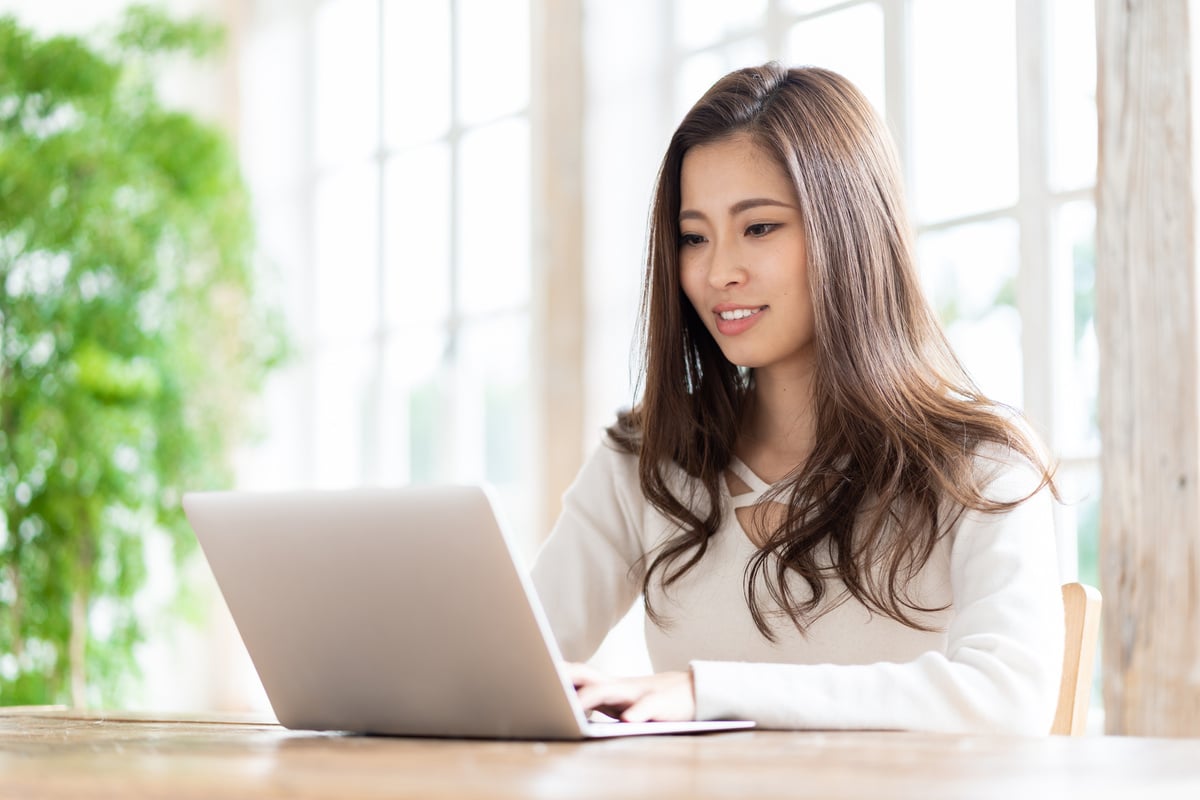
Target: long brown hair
[{"x": 898, "y": 420}]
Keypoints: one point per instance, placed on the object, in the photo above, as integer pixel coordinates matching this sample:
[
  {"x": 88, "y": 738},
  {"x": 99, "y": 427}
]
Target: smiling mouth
[{"x": 739, "y": 313}]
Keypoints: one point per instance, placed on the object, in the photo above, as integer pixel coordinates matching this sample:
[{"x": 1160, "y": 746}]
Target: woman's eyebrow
[
  {"x": 737, "y": 208},
  {"x": 755, "y": 202}
]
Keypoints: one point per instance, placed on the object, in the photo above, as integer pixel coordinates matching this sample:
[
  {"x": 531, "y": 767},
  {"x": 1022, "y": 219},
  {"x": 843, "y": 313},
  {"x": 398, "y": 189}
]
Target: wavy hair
[{"x": 898, "y": 420}]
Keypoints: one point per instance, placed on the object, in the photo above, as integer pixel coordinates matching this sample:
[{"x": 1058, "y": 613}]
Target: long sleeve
[
  {"x": 999, "y": 672},
  {"x": 588, "y": 573}
]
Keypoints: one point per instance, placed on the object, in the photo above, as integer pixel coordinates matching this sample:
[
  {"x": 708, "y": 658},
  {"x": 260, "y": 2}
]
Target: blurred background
[{"x": 450, "y": 200}]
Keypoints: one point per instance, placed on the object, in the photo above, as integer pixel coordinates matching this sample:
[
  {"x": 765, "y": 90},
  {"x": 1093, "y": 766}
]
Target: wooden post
[
  {"x": 558, "y": 302},
  {"x": 1146, "y": 265}
]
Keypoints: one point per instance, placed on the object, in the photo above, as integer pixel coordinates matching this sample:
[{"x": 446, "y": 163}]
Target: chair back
[{"x": 1081, "y": 604}]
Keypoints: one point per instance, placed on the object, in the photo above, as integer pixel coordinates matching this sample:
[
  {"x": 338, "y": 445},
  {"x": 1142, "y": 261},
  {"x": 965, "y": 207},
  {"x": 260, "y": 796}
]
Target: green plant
[{"x": 129, "y": 341}]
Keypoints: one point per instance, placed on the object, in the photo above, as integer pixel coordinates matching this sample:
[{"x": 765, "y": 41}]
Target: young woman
[{"x": 831, "y": 527}]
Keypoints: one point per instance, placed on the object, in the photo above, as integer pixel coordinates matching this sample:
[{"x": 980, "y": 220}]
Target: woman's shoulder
[
  {"x": 616, "y": 465},
  {"x": 609, "y": 467},
  {"x": 1011, "y": 470},
  {"x": 616, "y": 456}
]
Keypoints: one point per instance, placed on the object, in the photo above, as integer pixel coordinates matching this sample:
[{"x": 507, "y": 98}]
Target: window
[{"x": 387, "y": 143}]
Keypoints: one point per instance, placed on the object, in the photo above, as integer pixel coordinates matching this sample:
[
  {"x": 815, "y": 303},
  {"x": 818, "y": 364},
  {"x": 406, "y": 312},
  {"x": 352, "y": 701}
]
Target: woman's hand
[{"x": 664, "y": 697}]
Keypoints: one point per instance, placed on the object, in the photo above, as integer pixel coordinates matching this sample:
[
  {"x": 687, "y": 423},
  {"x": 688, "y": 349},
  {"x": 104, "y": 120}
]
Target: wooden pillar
[
  {"x": 558, "y": 312},
  {"x": 1146, "y": 266}
]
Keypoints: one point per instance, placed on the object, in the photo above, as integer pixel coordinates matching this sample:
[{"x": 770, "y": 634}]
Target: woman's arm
[
  {"x": 588, "y": 573},
  {"x": 999, "y": 673}
]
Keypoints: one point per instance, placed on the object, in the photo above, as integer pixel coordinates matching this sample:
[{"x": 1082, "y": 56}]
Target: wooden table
[{"x": 60, "y": 754}]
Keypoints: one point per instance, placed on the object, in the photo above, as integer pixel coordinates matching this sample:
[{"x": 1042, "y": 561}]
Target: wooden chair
[{"x": 1081, "y": 604}]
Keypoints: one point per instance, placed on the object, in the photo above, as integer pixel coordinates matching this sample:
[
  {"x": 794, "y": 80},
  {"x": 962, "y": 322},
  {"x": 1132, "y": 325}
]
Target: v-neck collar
[{"x": 758, "y": 487}]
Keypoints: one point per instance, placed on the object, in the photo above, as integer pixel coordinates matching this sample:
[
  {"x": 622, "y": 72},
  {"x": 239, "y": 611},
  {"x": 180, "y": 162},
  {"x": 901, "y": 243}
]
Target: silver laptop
[{"x": 393, "y": 611}]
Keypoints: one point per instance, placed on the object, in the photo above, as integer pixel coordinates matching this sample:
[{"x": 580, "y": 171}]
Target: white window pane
[
  {"x": 696, "y": 75},
  {"x": 970, "y": 275},
  {"x": 964, "y": 110},
  {"x": 699, "y": 72},
  {"x": 417, "y": 236},
  {"x": 272, "y": 106},
  {"x": 342, "y": 416},
  {"x": 346, "y": 106},
  {"x": 622, "y": 45},
  {"x": 280, "y": 228},
  {"x": 1078, "y": 391},
  {"x": 849, "y": 42},
  {"x": 808, "y": 6},
  {"x": 494, "y": 225},
  {"x": 1080, "y": 487},
  {"x": 493, "y": 359},
  {"x": 702, "y": 22},
  {"x": 280, "y": 458},
  {"x": 493, "y": 57},
  {"x": 414, "y": 420},
  {"x": 416, "y": 63},
  {"x": 1073, "y": 95},
  {"x": 347, "y": 254}
]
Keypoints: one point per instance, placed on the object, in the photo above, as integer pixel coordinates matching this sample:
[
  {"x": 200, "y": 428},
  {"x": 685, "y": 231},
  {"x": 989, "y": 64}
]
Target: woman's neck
[{"x": 779, "y": 427}]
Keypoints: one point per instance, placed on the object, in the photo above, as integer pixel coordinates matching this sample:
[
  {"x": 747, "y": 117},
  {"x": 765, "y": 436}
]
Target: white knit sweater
[{"x": 993, "y": 665}]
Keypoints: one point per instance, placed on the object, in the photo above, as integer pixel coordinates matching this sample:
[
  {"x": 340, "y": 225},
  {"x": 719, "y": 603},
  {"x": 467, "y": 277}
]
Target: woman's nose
[{"x": 728, "y": 268}]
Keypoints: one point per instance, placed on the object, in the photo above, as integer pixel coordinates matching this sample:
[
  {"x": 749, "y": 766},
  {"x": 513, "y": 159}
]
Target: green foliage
[{"x": 129, "y": 341}]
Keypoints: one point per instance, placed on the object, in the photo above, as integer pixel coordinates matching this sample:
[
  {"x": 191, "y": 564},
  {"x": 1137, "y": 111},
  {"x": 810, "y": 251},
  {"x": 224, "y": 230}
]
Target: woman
[{"x": 829, "y": 524}]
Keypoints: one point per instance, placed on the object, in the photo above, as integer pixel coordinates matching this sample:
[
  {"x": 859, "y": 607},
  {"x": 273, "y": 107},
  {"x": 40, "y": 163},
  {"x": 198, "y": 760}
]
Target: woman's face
[{"x": 743, "y": 258}]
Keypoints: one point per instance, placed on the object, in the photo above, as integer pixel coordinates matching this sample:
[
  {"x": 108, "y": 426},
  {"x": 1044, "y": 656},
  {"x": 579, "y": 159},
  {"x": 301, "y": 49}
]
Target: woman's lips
[{"x": 732, "y": 320}]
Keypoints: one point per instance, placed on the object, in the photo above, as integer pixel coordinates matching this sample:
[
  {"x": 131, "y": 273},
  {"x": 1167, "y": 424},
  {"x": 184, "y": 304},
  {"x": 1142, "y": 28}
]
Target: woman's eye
[
  {"x": 761, "y": 229},
  {"x": 690, "y": 239}
]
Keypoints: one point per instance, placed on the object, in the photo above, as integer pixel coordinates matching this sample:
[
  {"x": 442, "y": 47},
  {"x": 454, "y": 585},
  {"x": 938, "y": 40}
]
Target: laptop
[{"x": 394, "y": 611}]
